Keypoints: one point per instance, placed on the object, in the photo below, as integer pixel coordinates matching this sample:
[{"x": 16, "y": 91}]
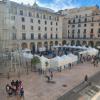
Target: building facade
[
  {"x": 81, "y": 26},
  {"x": 25, "y": 26},
  {"x": 31, "y": 26}
]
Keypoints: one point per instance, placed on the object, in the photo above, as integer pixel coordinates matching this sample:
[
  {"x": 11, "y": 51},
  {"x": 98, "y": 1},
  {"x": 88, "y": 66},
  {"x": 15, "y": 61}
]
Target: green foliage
[
  {"x": 35, "y": 61},
  {"x": 46, "y": 63}
]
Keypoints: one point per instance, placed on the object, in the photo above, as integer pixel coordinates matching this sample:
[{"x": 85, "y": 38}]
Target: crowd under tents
[
  {"x": 82, "y": 49},
  {"x": 58, "y": 61}
]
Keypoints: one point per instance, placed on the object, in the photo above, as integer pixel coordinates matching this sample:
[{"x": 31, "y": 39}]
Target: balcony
[{"x": 81, "y": 38}]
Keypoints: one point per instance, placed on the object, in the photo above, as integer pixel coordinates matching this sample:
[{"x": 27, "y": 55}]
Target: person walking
[
  {"x": 51, "y": 75},
  {"x": 86, "y": 78}
]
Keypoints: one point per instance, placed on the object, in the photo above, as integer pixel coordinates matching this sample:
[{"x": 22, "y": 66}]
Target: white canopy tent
[
  {"x": 92, "y": 51},
  {"x": 43, "y": 62}
]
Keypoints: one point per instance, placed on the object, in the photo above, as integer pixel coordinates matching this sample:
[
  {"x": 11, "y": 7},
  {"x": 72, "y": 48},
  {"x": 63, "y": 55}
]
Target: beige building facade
[
  {"x": 81, "y": 26},
  {"x": 25, "y": 26},
  {"x": 31, "y": 26}
]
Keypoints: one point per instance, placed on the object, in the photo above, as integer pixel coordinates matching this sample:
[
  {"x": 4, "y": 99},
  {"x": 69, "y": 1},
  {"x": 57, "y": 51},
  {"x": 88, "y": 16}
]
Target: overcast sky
[{"x": 61, "y": 4}]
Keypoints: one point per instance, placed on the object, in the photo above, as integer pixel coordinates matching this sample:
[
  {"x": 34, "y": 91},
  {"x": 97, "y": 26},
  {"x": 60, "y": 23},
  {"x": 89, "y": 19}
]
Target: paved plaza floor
[{"x": 36, "y": 87}]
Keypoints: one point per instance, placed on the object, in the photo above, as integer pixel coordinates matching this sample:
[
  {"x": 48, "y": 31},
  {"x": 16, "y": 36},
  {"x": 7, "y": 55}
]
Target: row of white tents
[
  {"x": 58, "y": 61},
  {"x": 89, "y": 51},
  {"x": 86, "y": 50}
]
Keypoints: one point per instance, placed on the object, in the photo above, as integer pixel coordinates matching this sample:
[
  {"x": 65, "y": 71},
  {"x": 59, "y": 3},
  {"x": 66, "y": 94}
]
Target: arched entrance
[
  {"x": 64, "y": 42},
  {"x": 78, "y": 43},
  {"x": 56, "y": 42},
  {"x": 91, "y": 43},
  {"x": 72, "y": 42},
  {"x": 32, "y": 47},
  {"x": 39, "y": 45},
  {"x": 51, "y": 44},
  {"x": 84, "y": 43},
  {"x": 24, "y": 45},
  {"x": 46, "y": 45},
  {"x": 97, "y": 43}
]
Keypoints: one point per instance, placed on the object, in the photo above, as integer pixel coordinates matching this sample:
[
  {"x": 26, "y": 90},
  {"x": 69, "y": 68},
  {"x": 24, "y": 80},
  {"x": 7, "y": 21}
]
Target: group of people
[
  {"x": 15, "y": 88},
  {"x": 92, "y": 59},
  {"x": 95, "y": 61}
]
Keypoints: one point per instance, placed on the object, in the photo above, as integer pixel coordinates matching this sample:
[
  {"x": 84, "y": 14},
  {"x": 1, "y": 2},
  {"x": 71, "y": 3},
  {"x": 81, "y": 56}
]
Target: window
[
  {"x": 73, "y": 26},
  {"x": 84, "y": 31},
  {"x": 73, "y": 20},
  {"x": 12, "y": 17},
  {"x": 68, "y": 21},
  {"x": 45, "y": 36},
  {"x": 91, "y": 35},
  {"x": 37, "y": 15},
  {"x": 39, "y": 21},
  {"x": 79, "y": 20},
  {"x": 78, "y": 35},
  {"x": 30, "y": 14},
  {"x": 57, "y": 18},
  {"x": 79, "y": 25},
  {"x": 68, "y": 31},
  {"x": 73, "y": 35},
  {"x": 92, "y": 19},
  {"x": 43, "y": 16},
  {"x": 56, "y": 23},
  {"x": 56, "y": 29},
  {"x": 39, "y": 36},
  {"x": 23, "y": 36},
  {"x": 23, "y": 27},
  {"x": 78, "y": 30},
  {"x": 84, "y": 35},
  {"x": 51, "y": 23},
  {"x": 32, "y": 27},
  {"x": 21, "y": 12},
  {"x": 85, "y": 25},
  {"x": 45, "y": 28},
  {"x": 73, "y": 31},
  {"x": 51, "y": 36},
  {"x": 13, "y": 27},
  {"x": 50, "y": 17},
  {"x": 56, "y": 36},
  {"x": 76, "y": 16},
  {"x": 23, "y": 19},
  {"x": 51, "y": 29},
  {"x": 31, "y": 20},
  {"x": 91, "y": 30},
  {"x": 39, "y": 28},
  {"x": 68, "y": 35},
  {"x": 85, "y": 19},
  {"x": 32, "y": 36},
  {"x": 92, "y": 24},
  {"x": 45, "y": 22},
  {"x": 13, "y": 36},
  {"x": 99, "y": 30}
]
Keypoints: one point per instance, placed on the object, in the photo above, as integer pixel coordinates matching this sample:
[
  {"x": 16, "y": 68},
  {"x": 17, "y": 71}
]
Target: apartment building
[
  {"x": 29, "y": 26},
  {"x": 81, "y": 26}
]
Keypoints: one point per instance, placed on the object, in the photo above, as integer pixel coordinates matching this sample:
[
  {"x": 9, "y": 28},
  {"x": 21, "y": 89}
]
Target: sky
[{"x": 61, "y": 4}]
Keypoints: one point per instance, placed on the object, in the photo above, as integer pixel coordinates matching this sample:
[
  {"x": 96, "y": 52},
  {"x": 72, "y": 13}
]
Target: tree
[{"x": 34, "y": 62}]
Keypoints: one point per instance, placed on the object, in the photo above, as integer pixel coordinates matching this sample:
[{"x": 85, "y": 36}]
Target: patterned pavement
[{"x": 36, "y": 87}]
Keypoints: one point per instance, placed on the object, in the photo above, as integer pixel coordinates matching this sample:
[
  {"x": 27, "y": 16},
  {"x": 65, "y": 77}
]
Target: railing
[{"x": 80, "y": 38}]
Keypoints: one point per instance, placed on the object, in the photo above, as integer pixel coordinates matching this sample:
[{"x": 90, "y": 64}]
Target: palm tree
[{"x": 34, "y": 62}]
